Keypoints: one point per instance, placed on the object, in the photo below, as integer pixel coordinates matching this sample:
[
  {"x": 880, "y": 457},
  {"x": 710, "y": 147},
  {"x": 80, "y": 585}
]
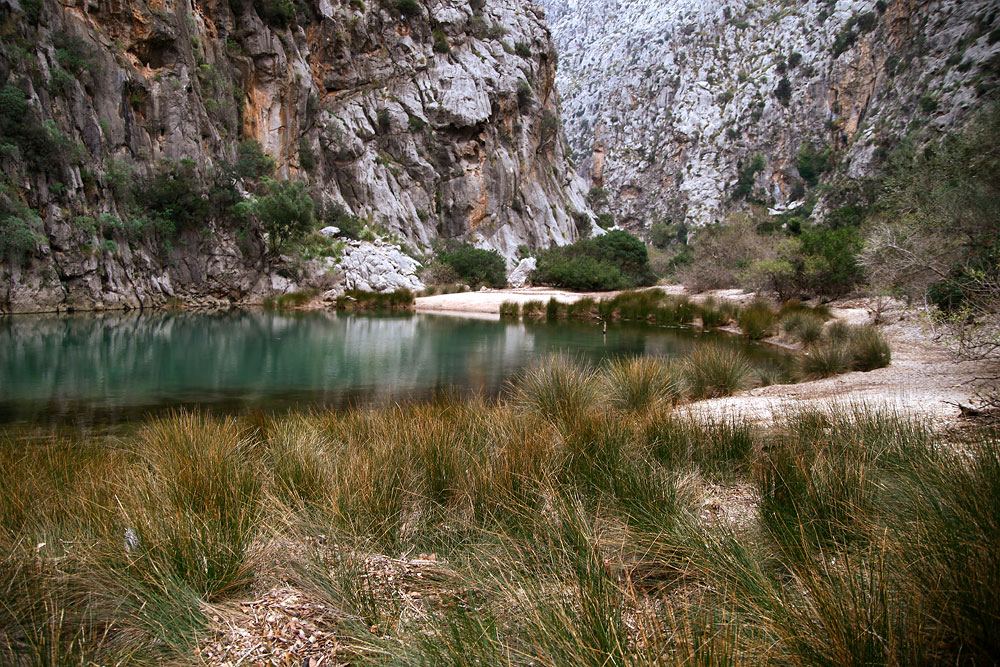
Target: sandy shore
[
  {"x": 488, "y": 301},
  {"x": 923, "y": 377}
]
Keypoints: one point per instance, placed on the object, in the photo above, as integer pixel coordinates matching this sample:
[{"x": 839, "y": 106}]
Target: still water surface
[{"x": 112, "y": 368}]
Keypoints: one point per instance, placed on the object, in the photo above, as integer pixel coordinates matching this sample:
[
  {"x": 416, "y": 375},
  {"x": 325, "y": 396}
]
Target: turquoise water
[{"x": 113, "y": 368}]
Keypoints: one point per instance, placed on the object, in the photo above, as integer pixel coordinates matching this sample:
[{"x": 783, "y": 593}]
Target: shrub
[
  {"x": 276, "y": 13},
  {"x": 522, "y": 50},
  {"x": 441, "y": 44},
  {"x": 473, "y": 265},
  {"x": 307, "y": 160},
  {"x": 20, "y": 231},
  {"x": 577, "y": 273},
  {"x": 812, "y": 163},
  {"x": 747, "y": 174},
  {"x": 616, "y": 260},
  {"x": 285, "y": 212},
  {"x": 525, "y": 96},
  {"x": 19, "y": 124},
  {"x": 408, "y": 8},
  {"x": 174, "y": 197},
  {"x": 784, "y": 91},
  {"x": 714, "y": 370}
]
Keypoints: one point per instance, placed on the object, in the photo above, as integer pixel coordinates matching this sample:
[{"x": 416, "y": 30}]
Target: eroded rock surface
[
  {"x": 440, "y": 122},
  {"x": 668, "y": 102}
]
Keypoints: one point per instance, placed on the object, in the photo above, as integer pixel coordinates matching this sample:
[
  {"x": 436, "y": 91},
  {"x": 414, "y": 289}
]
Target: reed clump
[
  {"x": 359, "y": 300},
  {"x": 757, "y": 319},
  {"x": 641, "y": 383},
  {"x": 715, "y": 370},
  {"x": 510, "y": 310}
]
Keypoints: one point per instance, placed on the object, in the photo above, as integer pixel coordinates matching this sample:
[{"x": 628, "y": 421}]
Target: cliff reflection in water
[{"x": 113, "y": 367}]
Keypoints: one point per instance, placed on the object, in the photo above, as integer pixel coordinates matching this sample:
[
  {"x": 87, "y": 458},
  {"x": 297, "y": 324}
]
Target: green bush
[
  {"x": 577, "y": 273},
  {"x": 408, "y": 8},
  {"x": 174, "y": 197},
  {"x": 307, "y": 160},
  {"x": 441, "y": 44},
  {"x": 747, "y": 174},
  {"x": 20, "y": 125},
  {"x": 285, "y": 212},
  {"x": 616, "y": 260},
  {"x": 522, "y": 50},
  {"x": 276, "y": 13},
  {"x": 473, "y": 265},
  {"x": 20, "y": 232},
  {"x": 784, "y": 91}
]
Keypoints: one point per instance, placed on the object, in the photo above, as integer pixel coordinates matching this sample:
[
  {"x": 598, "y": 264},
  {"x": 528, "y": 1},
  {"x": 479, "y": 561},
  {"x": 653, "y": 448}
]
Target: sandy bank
[
  {"x": 489, "y": 301},
  {"x": 923, "y": 377}
]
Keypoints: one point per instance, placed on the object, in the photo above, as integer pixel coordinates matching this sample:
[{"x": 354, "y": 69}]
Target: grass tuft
[
  {"x": 757, "y": 319},
  {"x": 640, "y": 383},
  {"x": 509, "y": 310},
  {"x": 559, "y": 388},
  {"x": 714, "y": 370}
]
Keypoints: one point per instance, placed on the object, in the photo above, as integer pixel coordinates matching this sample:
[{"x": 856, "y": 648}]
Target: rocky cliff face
[
  {"x": 682, "y": 109},
  {"x": 424, "y": 118}
]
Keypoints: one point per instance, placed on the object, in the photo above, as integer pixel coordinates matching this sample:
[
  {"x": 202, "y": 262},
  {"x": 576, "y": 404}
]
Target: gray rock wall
[
  {"x": 665, "y": 101},
  {"x": 441, "y": 123}
]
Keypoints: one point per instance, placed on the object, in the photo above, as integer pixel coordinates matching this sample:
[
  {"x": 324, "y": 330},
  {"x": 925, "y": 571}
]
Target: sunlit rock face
[
  {"x": 434, "y": 119},
  {"x": 666, "y": 102}
]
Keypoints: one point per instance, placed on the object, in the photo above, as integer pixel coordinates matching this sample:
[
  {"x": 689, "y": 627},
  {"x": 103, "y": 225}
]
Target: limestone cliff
[
  {"x": 424, "y": 118},
  {"x": 683, "y": 109}
]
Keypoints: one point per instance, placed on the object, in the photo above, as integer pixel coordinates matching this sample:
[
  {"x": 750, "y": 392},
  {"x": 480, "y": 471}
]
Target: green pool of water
[{"x": 115, "y": 368}]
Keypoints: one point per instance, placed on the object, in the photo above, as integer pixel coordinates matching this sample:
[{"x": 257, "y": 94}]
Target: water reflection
[{"x": 115, "y": 367}]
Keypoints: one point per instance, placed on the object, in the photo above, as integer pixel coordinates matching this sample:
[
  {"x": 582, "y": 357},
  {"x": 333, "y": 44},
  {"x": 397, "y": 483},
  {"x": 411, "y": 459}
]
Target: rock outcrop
[
  {"x": 378, "y": 267},
  {"x": 669, "y": 103},
  {"x": 424, "y": 119}
]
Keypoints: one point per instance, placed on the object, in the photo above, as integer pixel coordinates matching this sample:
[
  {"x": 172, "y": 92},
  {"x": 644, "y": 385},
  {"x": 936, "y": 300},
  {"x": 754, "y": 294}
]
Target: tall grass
[
  {"x": 715, "y": 314},
  {"x": 510, "y": 310},
  {"x": 869, "y": 349},
  {"x": 534, "y": 310},
  {"x": 359, "y": 300},
  {"x": 573, "y": 523},
  {"x": 559, "y": 388},
  {"x": 289, "y": 301},
  {"x": 803, "y": 326},
  {"x": 641, "y": 383},
  {"x": 757, "y": 319},
  {"x": 714, "y": 370}
]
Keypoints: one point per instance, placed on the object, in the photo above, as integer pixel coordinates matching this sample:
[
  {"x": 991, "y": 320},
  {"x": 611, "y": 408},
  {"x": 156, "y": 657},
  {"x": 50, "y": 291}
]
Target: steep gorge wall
[
  {"x": 667, "y": 103},
  {"x": 430, "y": 119}
]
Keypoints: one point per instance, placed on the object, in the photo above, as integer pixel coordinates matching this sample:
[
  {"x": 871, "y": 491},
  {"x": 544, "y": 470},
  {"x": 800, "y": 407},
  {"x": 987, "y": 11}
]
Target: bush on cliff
[{"x": 616, "y": 260}]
